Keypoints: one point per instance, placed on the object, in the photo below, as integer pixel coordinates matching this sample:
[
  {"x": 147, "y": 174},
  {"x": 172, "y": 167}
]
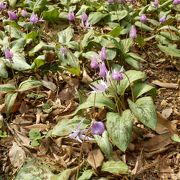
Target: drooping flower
[
  {"x": 97, "y": 128},
  {"x": 99, "y": 87},
  {"x": 24, "y": 13},
  {"x": 63, "y": 51},
  {"x": 3, "y": 6},
  {"x": 102, "y": 70},
  {"x": 162, "y": 19},
  {"x": 103, "y": 54},
  {"x": 117, "y": 75},
  {"x": 12, "y": 15},
  {"x": 94, "y": 64},
  {"x": 156, "y": 3},
  {"x": 176, "y": 2},
  {"x": 84, "y": 17},
  {"x": 71, "y": 16},
  {"x": 78, "y": 134},
  {"x": 34, "y": 18},
  {"x": 8, "y": 54},
  {"x": 133, "y": 32},
  {"x": 87, "y": 24},
  {"x": 143, "y": 18}
]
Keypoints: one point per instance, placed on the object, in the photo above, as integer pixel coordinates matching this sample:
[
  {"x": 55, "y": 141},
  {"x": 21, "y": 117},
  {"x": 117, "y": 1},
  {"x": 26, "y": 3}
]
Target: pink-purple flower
[
  {"x": 71, "y": 16},
  {"x": 162, "y": 19},
  {"x": 97, "y": 128},
  {"x": 12, "y": 15},
  {"x": 3, "y": 6},
  {"x": 63, "y": 51},
  {"x": 102, "y": 70},
  {"x": 133, "y": 32},
  {"x": 100, "y": 87},
  {"x": 111, "y": 1},
  {"x": 84, "y": 17},
  {"x": 24, "y": 13},
  {"x": 143, "y": 18},
  {"x": 156, "y": 3},
  {"x": 34, "y": 18},
  {"x": 176, "y": 2},
  {"x": 94, "y": 63},
  {"x": 103, "y": 54},
  {"x": 8, "y": 54},
  {"x": 117, "y": 75}
]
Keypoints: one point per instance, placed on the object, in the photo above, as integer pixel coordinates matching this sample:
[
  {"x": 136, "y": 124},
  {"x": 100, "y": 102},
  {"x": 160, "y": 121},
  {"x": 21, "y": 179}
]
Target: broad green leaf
[
  {"x": 14, "y": 32},
  {"x": 12, "y": 3},
  {"x": 95, "y": 17},
  {"x": 135, "y": 56},
  {"x": 86, "y": 175},
  {"x": 7, "y": 88},
  {"x": 88, "y": 37},
  {"x": 133, "y": 76},
  {"x": 29, "y": 84},
  {"x": 90, "y": 54},
  {"x": 39, "y": 5},
  {"x": 115, "y": 167},
  {"x": 64, "y": 175},
  {"x": 133, "y": 62},
  {"x": 96, "y": 100},
  {"x": 66, "y": 35},
  {"x": 118, "y": 15},
  {"x": 170, "y": 36},
  {"x": 116, "y": 31},
  {"x": 141, "y": 88},
  {"x": 126, "y": 44},
  {"x": 144, "y": 110},
  {"x": 3, "y": 72},
  {"x": 51, "y": 15},
  {"x": 104, "y": 144},
  {"x": 38, "y": 62},
  {"x": 143, "y": 26},
  {"x": 10, "y": 99},
  {"x": 18, "y": 45},
  {"x": 171, "y": 51},
  {"x": 66, "y": 126},
  {"x": 119, "y": 128},
  {"x": 34, "y": 169}
]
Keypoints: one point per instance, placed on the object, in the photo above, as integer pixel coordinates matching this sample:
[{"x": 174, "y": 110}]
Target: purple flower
[
  {"x": 12, "y": 15},
  {"x": 63, "y": 51},
  {"x": 102, "y": 70},
  {"x": 117, "y": 75},
  {"x": 143, "y": 18},
  {"x": 101, "y": 87},
  {"x": 34, "y": 18},
  {"x": 3, "y": 6},
  {"x": 133, "y": 32},
  {"x": 24, "y": 13},
  {"x": 84, "y": 17},
  {"x": 176, "y": 2},
  {"x": 162, "y": 19},
  {"x": 71, "y": 16},
  {"x": 103, "y": 54},
  {"x": 8, "y": 54},
  {"x": 156, "y": 3},
  {"x": 78, "y": 134},
  {"x": 97, "y": 128},
  {"x": 94, "y": 64},
  {"x": 111, "y": 1}
]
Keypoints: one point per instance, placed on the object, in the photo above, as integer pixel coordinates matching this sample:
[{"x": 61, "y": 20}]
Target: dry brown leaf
[
  {"x": 157, "y": 142},
  {"x": 41, "y": 127},
  {"x": 95, "y": 158},
  {"x": 165, "y": 85},
  {"x": 17, "y": 155},
  {"x": 48, "y": 84},
  {"x": 167, "y": 112},
  {"x": 86, "y": 78}
]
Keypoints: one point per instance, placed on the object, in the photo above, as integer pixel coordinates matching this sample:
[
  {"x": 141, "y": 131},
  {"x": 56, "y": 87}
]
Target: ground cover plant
[{"x": 75, "y": 94}]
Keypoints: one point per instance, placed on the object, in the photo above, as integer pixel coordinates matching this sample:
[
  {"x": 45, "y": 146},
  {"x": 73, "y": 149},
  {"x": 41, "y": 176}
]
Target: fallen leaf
[
  {"x": 165, "y": 85},
  {"x": 95, "y": 158},
  {"x": 48, "y": 84},
  {"x": 167, "y": 112},
  {"x": 40, "y": 127},
  {"x": 16, "y": 155},
  {"x": 86, "y": 78}
]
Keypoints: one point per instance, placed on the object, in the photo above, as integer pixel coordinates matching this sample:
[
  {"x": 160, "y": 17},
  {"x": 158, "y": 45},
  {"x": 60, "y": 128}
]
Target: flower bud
[
  {"x": 111, "y": 1},
  {"x": 12, "y": 15},
  {"x": 34, "y": 18},
  {"x": 117, "y": 75},
  {"x": 8, "y": 54},
  {"x": 102, "y": 70},
  {"x": 71, "y": 16},
  {"x": 176, "y": 2},
  {"x": 84, "y": 17},
  {"x": 133, "y": 32},
  {"x": 143, "y": 18},
  {"x": 103, "y": 54},
  {"x": 94, "y": 63},
  {"x": 156, "y": 3},
  {"x": 97, "y": 128},
  {"x": 2, "y": 6},
  {"x": 162, "y": 19},
  {"x": 24, "y": 13}
]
